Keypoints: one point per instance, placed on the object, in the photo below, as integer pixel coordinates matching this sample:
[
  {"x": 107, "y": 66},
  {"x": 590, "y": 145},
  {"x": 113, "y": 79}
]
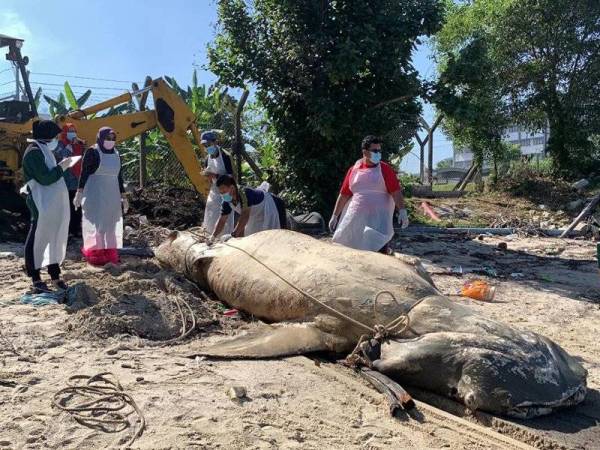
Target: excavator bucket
[{"x": 174, "y": 119}]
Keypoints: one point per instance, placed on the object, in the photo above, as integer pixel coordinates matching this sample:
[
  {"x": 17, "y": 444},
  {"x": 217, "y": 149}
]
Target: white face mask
[
  {"x": 52, "y": 144},
  {"x": 109, "y": 145}
]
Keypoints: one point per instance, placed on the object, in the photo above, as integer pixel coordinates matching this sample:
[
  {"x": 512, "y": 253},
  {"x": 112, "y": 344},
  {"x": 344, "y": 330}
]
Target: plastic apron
[
  {"x": 212, "y": 211},
  {"x": 263, "y": 216},
  {"x": 367, "y": 219},
  {"x": 52, "y": 203},
  {"x": 102, "y": 221}
]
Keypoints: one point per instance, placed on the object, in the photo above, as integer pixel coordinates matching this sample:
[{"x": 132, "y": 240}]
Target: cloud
[{"x": 39, "y": 46}]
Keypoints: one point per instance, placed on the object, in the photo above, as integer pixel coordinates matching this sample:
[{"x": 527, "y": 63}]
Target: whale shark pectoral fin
[{"x": 268, "y": 341}]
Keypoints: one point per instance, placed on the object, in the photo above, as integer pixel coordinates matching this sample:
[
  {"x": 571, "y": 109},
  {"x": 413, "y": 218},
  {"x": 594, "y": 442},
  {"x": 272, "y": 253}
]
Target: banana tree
[{"x": 66, "y": 101}]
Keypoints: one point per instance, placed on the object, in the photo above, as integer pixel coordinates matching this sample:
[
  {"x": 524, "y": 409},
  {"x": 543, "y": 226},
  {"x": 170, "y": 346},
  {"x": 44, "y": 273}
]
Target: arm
[
  {"x": 227, "y": 162},
  {"x": 398, "y": 199},
  {"x": 340, "y": 204},
  {"x": 90, "y": 164},
  {"x": 34, "y": 165},
  {"x": 219, "y": 226},
  {"x": 242, "y": 222}
]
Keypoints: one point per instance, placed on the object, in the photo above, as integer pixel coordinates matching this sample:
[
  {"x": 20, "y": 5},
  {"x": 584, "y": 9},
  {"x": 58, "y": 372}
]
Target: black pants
[
  {"x": 280, "y": 204},
  {"x": 75, "y": 220},
  {"x": 53, "y": 269}
]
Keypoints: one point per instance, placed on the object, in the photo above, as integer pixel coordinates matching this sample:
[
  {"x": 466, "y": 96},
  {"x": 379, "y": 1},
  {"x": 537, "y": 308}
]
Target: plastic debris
[
  {"x": 232, "y": 313},
  {"x": 517, "y": 275},
  {"x": 478, "y": 290},
  {"x": 236, "y": 392}
]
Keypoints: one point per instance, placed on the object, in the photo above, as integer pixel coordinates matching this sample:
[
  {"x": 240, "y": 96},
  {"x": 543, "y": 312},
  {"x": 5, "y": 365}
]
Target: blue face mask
[
  {"x": 212, "y": 150},
  {"x": 71, "y": 135},
  {"x": 375, "y": 157},
  {"x": 227, "y": 197}
]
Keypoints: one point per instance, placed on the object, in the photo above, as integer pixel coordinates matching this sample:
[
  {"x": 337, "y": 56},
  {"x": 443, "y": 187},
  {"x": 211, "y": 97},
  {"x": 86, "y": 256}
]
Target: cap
[
  {"x": 45, "y": 129},
  {"x": 208, "y": 136}
]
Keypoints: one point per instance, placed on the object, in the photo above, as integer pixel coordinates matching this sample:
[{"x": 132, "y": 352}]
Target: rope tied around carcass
[{"x": 379, "y": 332}]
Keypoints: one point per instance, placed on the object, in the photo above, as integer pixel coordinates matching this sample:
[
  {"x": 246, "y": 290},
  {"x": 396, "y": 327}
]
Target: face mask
[
  {"x": 52, "y": 144},
  {"x": 227, "y": 197},
  {"x": 212, "y": 150},
  {"x": 109, "y": 145},
  {"x": 375, "y": 157},
  {"x": 71, "y": 135}
]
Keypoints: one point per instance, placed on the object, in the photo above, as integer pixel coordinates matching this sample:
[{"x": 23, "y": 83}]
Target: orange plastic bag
[{"x": 478, "y": 290}]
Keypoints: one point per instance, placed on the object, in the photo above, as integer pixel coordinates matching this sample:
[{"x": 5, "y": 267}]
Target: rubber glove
[
  {"x": 333, "y": 223},
  {"x": 403, "y": 218},
  {"x": 77, "y": 199},
  {"x": 65, "y": 163},
  {"x": 225, "y": 237},
  {"x": 125, "y": 204}
]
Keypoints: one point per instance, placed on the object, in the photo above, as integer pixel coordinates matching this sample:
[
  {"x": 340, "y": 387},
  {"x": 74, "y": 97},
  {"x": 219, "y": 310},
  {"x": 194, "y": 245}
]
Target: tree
[
  {"x": 444, "y": 164},
  {"x": 532, "y": 62},
  {"x": 328, "y": 72},
  {"x": 65, "y": 102}
]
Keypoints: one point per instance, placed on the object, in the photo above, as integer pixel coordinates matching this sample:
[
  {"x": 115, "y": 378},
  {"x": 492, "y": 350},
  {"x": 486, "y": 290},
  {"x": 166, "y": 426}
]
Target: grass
[{"x": 450, "y": 185}]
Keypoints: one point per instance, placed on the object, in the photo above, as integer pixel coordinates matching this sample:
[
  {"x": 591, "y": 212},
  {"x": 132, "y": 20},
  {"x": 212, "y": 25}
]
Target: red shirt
[{"x": 389, "y": 176}]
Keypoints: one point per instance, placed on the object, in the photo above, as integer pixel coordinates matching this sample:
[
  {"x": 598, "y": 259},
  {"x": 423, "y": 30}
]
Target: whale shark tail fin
[{"x": 270, "y": 341}]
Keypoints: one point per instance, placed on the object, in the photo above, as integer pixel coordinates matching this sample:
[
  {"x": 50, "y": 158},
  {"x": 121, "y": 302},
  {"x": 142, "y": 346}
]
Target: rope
[
  {"x": 379, "y": 332},
  {"x": 101, "y": 403}
]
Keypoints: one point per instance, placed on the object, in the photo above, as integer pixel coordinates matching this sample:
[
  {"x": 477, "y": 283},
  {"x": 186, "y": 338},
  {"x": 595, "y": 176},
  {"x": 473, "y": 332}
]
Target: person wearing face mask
[
  {"x": 48, "y": 203},
  {"x": 259, "y": 210},
  {"x": 363, "y": 214},
  {"x": 70, "y": 145},
  {"x": 217, "y": 163},
  {"x": 101, "y": 198}
]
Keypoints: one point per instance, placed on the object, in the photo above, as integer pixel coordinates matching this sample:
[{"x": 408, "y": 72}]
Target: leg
[
  {"x": 29, "y": 258},
  {"x": 279, "y": 203},
  {"x": 54, "y": 272},
  {"x": 75, "y": 220}
]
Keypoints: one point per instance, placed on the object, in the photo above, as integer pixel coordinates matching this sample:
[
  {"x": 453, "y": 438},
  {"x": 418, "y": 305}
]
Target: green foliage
[
  {"x": 530, "y": 62},
  {"x": 65, "y": 102},
  {"x": 444, "y": 164},
  {"x": 327, "y": 73}
]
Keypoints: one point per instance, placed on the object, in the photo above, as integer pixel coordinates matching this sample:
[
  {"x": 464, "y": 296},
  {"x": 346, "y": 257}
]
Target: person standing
[
  {"x": 70, "y": 145},
  {"x": 363, "y": 214},
  {"x": 218, "y": 163},
  {"x": 101, "y": 198},
  {"x": 259, "y": 210},
  {"x": 48, "y": 203}
]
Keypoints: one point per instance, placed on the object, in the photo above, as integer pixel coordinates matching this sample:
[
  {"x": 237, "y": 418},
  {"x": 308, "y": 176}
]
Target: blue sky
[{"x": 126, "y": 40}]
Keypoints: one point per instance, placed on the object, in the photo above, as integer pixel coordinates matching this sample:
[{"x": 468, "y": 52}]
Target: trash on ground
[
  {"x": 478, "y": 290},
  {"x": 236, "y": 392}
]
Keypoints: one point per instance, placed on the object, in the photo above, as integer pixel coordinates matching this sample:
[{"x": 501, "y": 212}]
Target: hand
[
  {"x": 210, "y": 241},
  {"x": 125, "y": 204},
  {"x": 225, "y": 237},
  {"x": 333, "y": 223},
  {"x": 77, "y": 199},
  {"x": 65, "y": 163},
  {"x": 403, "y": 218}
]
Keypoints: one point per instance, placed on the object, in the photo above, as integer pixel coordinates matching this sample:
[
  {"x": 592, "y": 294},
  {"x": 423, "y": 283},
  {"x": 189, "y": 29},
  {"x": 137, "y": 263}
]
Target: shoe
[
  {"x": 60, "y": 285},
  {"x": 39, "y": 287}
]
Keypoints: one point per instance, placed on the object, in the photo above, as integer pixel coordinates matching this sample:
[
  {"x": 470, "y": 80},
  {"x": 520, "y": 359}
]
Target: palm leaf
[
  {"x": 37, "y": 97},
  {"x": 55, "y": 106},
  {"x": 70, "y": 96},
  {"x": 84, "y": 98}
]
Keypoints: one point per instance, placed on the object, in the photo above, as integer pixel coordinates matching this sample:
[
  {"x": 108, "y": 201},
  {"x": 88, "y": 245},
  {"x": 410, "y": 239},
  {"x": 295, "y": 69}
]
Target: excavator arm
[{"x": 171, "y": 115}]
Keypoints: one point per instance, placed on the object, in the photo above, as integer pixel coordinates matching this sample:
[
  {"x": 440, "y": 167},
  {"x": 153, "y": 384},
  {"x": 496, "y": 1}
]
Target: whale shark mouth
[{"x": 529, "y": 410}]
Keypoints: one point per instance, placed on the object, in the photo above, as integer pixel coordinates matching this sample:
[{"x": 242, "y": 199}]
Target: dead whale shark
[{"x": 447, "y": 347}]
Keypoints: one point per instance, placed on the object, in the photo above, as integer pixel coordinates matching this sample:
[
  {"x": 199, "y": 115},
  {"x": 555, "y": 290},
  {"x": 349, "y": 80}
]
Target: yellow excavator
[{"x": 170, "y": 114}]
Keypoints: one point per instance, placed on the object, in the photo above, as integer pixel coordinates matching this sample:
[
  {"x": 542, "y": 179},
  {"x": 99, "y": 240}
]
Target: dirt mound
[
  {"x": 140, "y": 300},
  {"x": 554, "y": 193},
  {"x": 164, "y": 206}
]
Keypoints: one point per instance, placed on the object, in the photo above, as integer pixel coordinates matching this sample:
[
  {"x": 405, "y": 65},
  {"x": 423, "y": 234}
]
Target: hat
[
  {"x": 45, "y": 129},
  {"x": 208, "y": 136}
]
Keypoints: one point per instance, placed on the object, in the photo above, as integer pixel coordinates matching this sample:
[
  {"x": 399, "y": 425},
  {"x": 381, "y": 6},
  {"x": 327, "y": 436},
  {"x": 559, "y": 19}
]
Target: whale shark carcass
[{"x": 447, "y": 348}]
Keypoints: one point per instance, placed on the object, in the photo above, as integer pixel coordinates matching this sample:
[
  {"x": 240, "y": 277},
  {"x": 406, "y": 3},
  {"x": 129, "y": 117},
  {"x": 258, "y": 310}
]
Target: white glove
[
  {"x": 403, "y": 218},
  {"x": 77, "y": 200},
  {"x": 333, "y": 223},
  {"x": 125, "y": 204},
  {"x": 65, "y": 163},
  {"x": 225, "y": 237}
]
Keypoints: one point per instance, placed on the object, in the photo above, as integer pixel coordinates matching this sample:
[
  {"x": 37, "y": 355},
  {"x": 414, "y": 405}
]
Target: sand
[{"x": 291, "y": 402}]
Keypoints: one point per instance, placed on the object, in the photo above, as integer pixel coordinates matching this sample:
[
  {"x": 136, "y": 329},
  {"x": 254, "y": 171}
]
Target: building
[{"x": 529, "y": 143}]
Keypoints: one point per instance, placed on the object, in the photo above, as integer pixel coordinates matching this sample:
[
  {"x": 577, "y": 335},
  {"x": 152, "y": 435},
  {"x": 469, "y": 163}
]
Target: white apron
[
  {"x": 52, "y": 203},
  {"x": 102, "y": 218},
  {"x": 212, "y": 211},
  {"x": 367, "y": 220},
  {"x": 263, "y": 216}
]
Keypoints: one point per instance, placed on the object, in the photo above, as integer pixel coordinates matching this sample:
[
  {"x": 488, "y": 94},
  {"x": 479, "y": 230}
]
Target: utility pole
[{"x": 422, "y": 143}]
